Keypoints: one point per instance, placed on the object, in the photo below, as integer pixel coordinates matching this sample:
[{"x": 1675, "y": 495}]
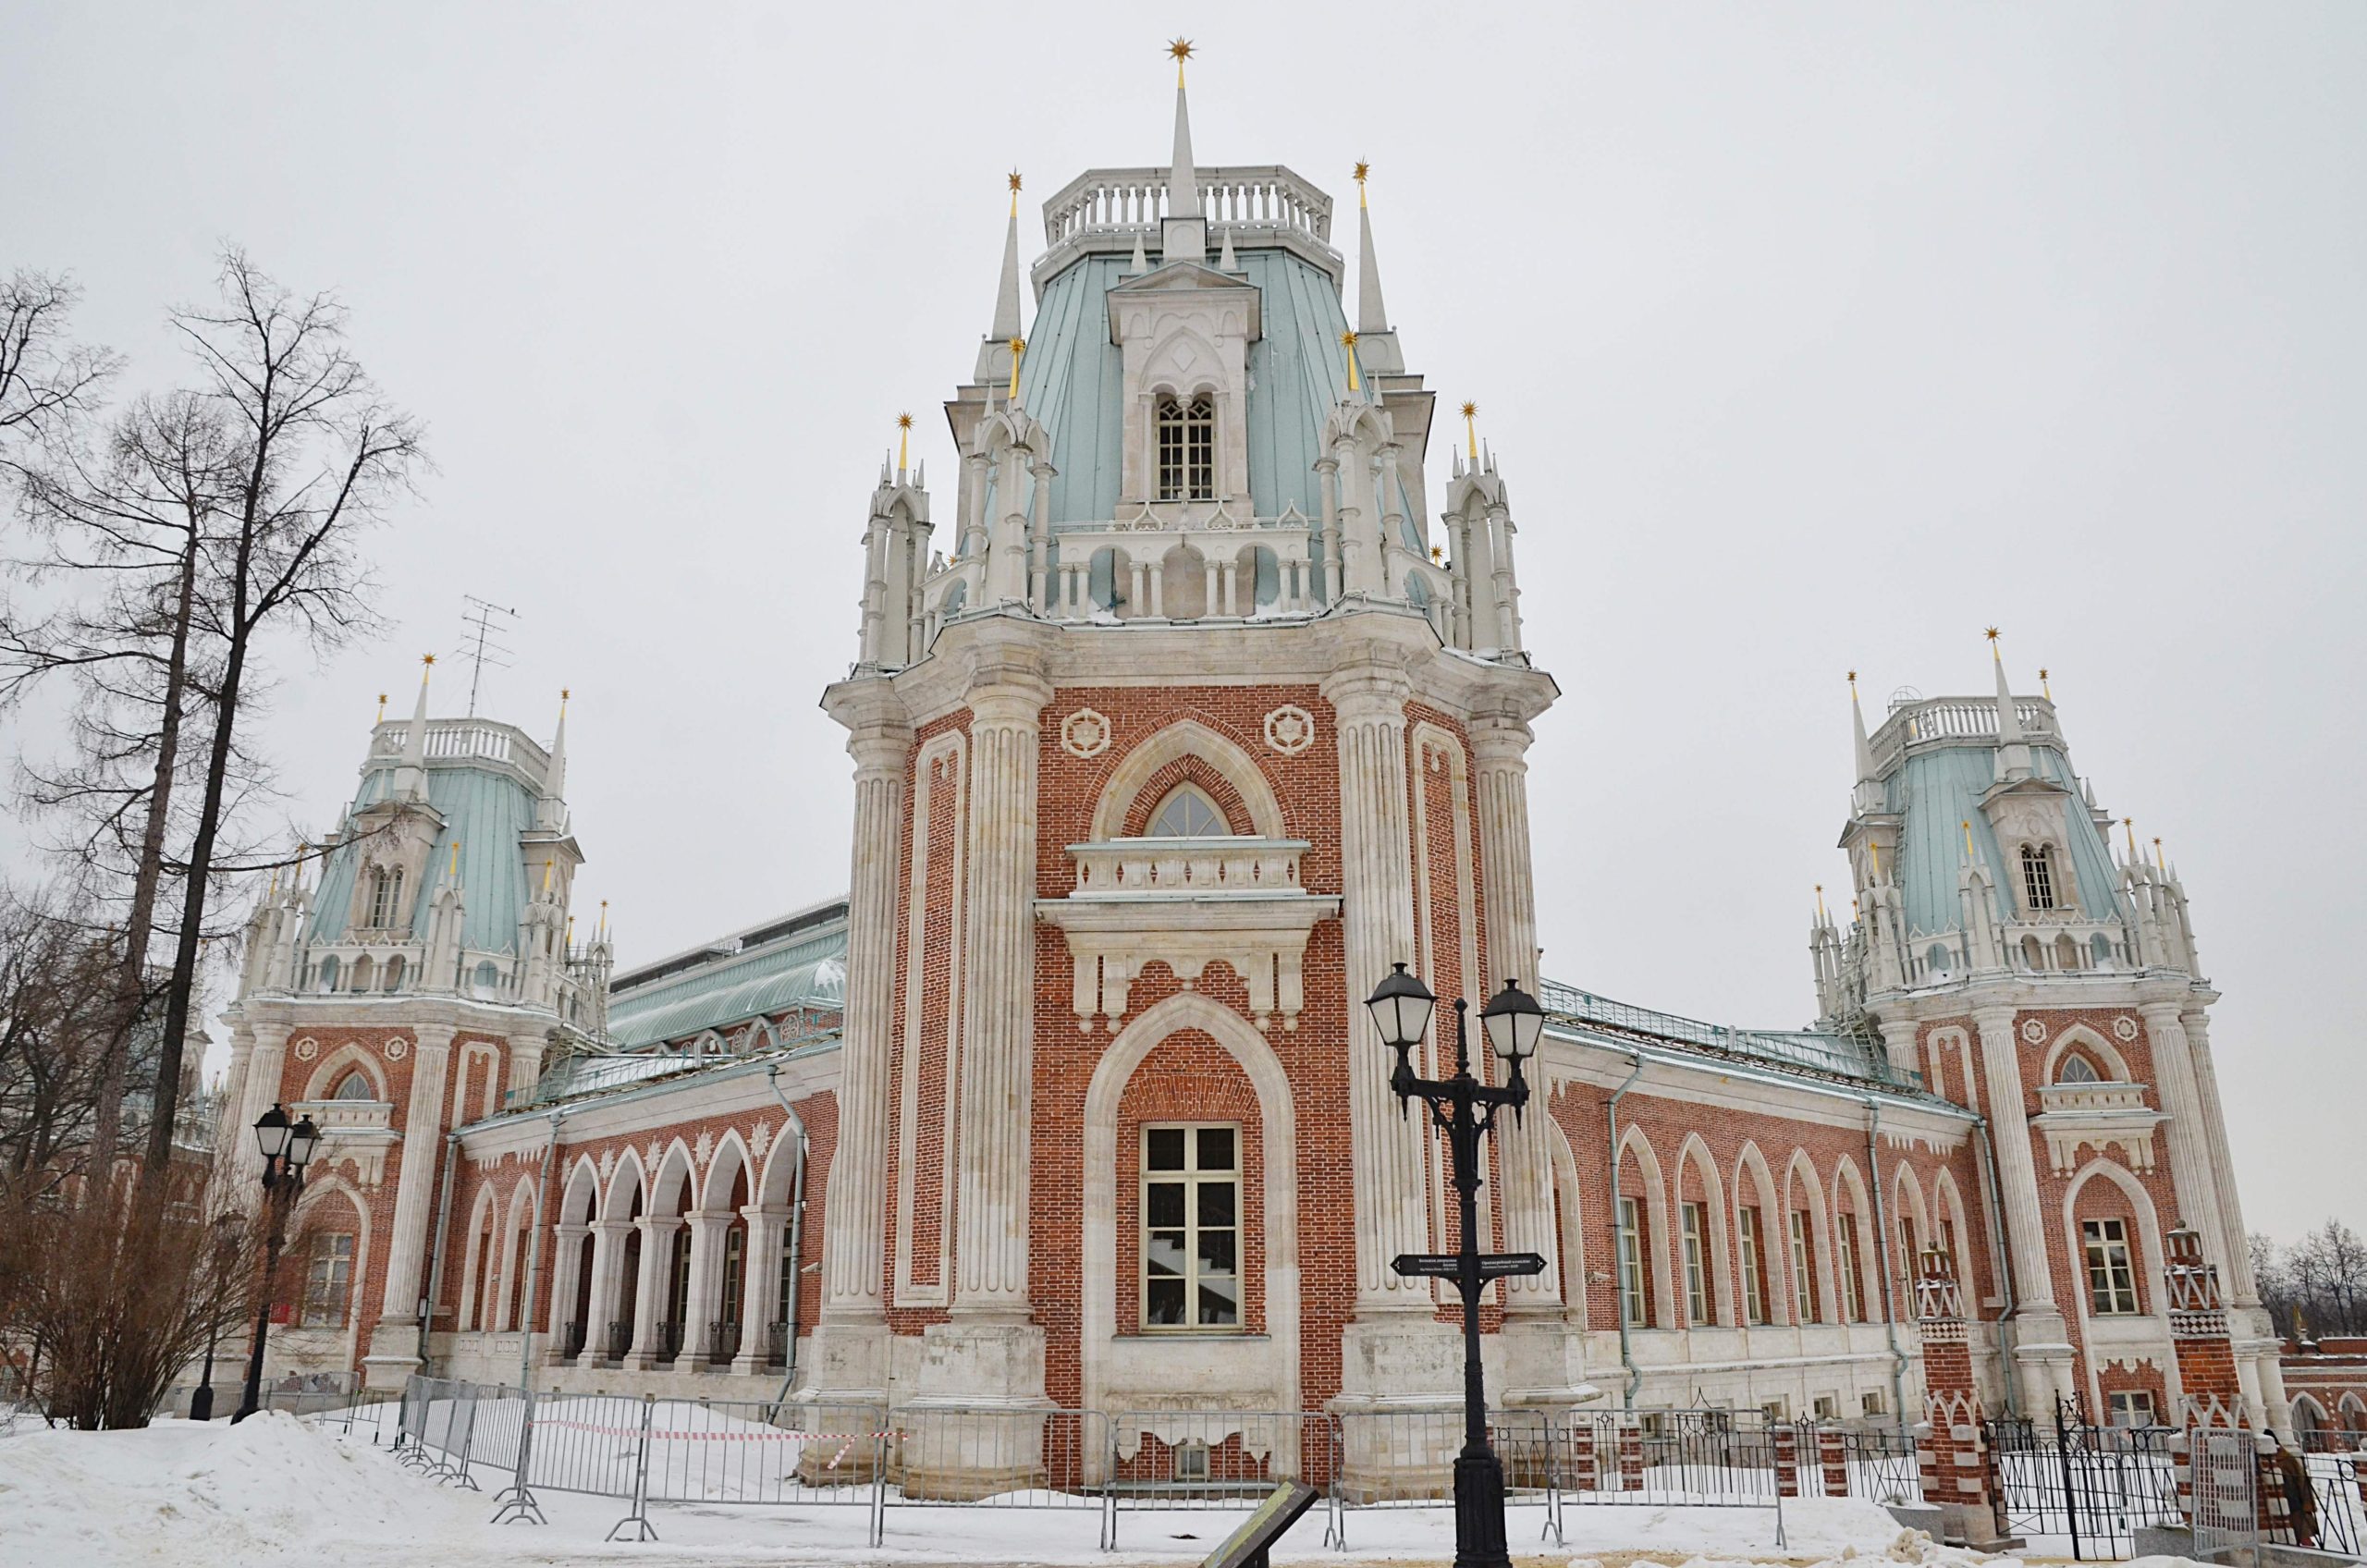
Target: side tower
[
  {"x": 1198, "y": 734},
  {"x": 413, "y": 972},
  {"x": 2001, "y": 951}
]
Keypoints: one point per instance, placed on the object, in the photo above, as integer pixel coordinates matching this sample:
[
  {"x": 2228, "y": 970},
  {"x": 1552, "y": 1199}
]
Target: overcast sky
[{"x": 1809, "y": 338}]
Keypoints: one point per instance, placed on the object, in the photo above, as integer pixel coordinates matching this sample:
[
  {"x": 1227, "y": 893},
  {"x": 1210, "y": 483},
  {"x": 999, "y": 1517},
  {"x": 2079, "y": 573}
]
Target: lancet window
[
  {"x": 1187, "y": 449},
  {"x": 1188, "y": 814},
  {"x": 2038, "y": 877},
  {"x": 386, "y": 896}
]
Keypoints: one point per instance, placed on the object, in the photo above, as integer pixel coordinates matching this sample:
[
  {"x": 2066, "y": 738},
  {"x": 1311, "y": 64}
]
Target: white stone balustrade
[{"x": 1142, "y": 868}]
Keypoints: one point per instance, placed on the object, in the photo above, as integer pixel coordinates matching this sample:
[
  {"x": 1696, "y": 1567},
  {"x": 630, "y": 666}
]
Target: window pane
[
  {"x": 1220, "y": 1303},
  {"x": 1163, "y": 1204},
  {"x": 1166, "y": 1149},
  {"x": 1216, "y": 1148},
  {"x": 1216, "y": 1252},
  {"x": 1164, "y": 1252},
  {"x": 1163, "y": 1302},
  {"x": 1216, "y": 1203}
]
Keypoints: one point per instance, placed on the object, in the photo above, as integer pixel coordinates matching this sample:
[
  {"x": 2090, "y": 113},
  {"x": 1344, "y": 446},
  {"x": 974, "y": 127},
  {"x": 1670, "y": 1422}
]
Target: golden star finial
[
  {"x": 1363, "y": 169},
  {"x": 1181, "y": 48},
  {"x": 1437, "y": 551},
  {"x": 1853, "y": 677},
  {"x": 1990, "y": 634},
  {"x": 564, "y": 694},
  {"x": 427, "y": 658},
  {"x": 1014, "y": 177},
  {"x": 903, "y": 421},
  {"x": 1348, "y": 338}
]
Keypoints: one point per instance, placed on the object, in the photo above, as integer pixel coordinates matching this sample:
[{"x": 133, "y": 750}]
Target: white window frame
[
  {"x": 1182, "y": 793},
  {"x": 1192, "y": 1178},
  {"x": 2038, "y": 878},
  {"x": 2122, "y": 1403},
  {"x": 1803, "y": 1269},
  {"x": 1693, "y": 1224},
  {"x": 328, "y": 1279},
  {"x": 1754, "y": 1275},
  {"x": 1853, "y": 1283},
  {"x": 2111, "y": 1260},
  {"x": 1634, "y": 1292},
  {"x": 1183, "y": 447}
]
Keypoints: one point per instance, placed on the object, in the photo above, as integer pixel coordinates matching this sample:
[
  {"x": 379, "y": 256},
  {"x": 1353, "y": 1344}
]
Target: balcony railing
[
  {"x": 777, "y": 1344},
  {"x": 1831, "y": 1055},
  {"x": 619, "y": 1339},
  {"x": 722, "y": 1342},
  {"x": 1266, "y": 196},
  {"x": 1136, "y": 868},
  {"x": 1924, "y": 720},
  {"x": 572, "y": 1339}
]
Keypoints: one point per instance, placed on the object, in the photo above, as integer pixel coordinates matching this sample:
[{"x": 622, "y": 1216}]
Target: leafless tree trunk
[{"x": 320, "y": 457}]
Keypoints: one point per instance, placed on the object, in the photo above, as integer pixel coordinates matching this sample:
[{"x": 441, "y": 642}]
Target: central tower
[{"x": 1191, "y": 734}]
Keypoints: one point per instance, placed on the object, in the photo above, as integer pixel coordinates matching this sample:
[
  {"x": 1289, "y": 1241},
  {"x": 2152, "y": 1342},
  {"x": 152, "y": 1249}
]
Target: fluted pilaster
[
  {"x": 1375, "y": 881},
  {"x": 997, "y": 1094},
  {"x": 2191, "y": 1174},
  {"x": 2243, "y": 1290},
  {"x": 423, "y": 1143},
  {"x": 856, "y": 1223},
  {"x": 1498, "y": 748}
]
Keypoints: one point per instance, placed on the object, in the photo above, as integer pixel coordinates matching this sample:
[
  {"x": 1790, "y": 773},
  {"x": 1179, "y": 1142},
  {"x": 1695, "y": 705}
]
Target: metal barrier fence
[
  {"x": 648, "y": 1450},
  {"x": 1213, "y": 1459},
  {"x": 2227, "y": 1476}
]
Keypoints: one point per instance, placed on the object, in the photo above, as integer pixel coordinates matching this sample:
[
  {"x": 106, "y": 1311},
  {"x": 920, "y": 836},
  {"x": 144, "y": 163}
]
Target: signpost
[
  {"x": 1246, "y": 1547},
  {"x": 1447, "y": 1265}
]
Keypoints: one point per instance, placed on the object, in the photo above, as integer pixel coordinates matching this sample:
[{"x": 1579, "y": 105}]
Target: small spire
[
  {"x": 411, "y": 779},
  {"x": 1372, "y": 316},
  {"x": 453, "y": 873},
  {"x": 2159, "y": 864},
  {"x": 1470, "y": 425},
  {"x": 547, "y": 864},
  {"x": 1348, "y": 341},
  {"x": 1007, "y": 290},
  {"x": 1018, "y": 350},
  {"x": 1182, "y": 178},
  {"x": 555, "y": 778},
  {"x": 1225, "y": 261},
  {"x": 1820, "y": 916},
  {"x": 2009, "y": 719},
  {"x": 1858, "y": 724},
  {"x": 1141, "y": 263},
  {"x": 2044, "y": 688},
  {"x": 903, "y": 444},
  {"x": 382, "y": 711},
  {"x": 601, "y": 929},
  {"x": 1967, "y": 840}
]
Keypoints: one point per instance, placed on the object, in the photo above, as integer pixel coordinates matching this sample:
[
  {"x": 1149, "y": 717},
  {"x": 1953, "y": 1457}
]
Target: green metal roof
[
  {"x": 1937, "y": 792},
  {"x": 487, "y": 811},
  {"x": 806, "y": 969},
  {"x": 1070, "y": 376}
]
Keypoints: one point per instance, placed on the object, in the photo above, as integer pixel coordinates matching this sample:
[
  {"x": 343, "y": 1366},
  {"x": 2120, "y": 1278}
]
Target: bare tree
[
  {"x": 57, "y": 981},
  {"x": 46, "y": 382},
  {"x": 319, "y": 457},
  {"x": 2319, "y": 1284}
]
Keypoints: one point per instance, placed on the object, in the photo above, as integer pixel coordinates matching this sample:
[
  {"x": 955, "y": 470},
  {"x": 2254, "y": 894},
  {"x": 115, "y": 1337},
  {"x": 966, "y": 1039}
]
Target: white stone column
[
  {"x": 1499, "y": 746},
  {"x": 996, "y": 1078},
  {"x": 651, "y": 1292},
  {"x": 423, "y": 1131},
  {"x": 2243, "y": 1290},
  {"x": 607, "y": 1286},
  {"x": 265, "y": 1048},
  {"x": 2191, "y": 1173},
  {"x": 852, "y": 1333},
  {"x": 526, "y": 1050},
  {"x": 556, "y": 1304},
  {"x": 2042, "y": 1346},
  {"x": 1375, "y": 881},
  {"x": 1328, "y": 584},
  {"x": 761, "y": 1285},
  {"x": 706, "y": 1284}
]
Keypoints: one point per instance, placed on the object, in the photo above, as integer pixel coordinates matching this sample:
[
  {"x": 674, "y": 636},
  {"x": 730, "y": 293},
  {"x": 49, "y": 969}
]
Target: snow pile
[
  {"x": 1846, "y": 1532},
  {"x": 208, "y": 1492}
]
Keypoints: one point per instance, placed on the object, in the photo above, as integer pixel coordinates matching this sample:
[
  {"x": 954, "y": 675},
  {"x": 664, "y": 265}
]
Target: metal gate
[
  {"x": 2093, "y": 1486},
  {"x": 2226, "y": 1508}
]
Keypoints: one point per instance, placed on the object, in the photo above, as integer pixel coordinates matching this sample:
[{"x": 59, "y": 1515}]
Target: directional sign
[
  {"x": 1447, "y": 1265},
  {"x": 1248, "y": 1546}
]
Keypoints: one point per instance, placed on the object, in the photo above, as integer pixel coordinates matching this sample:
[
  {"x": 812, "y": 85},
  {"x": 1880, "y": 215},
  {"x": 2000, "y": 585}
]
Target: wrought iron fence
[
  {"x": 2328, "y": 1508},
  {"x": 2094, "y": 1485},
  {"x": 722, "y": 1342},
  {"x": 1405, "y": 1459}
]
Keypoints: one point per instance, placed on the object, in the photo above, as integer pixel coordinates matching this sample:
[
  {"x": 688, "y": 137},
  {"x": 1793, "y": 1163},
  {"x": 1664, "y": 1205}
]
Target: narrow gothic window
[
  {"x": 2038, "y": 876},
  {"x": 1191, "y": 1228},
  {"x": 1633, "y": 1293},
  {"x": 1803, "y": 1270},
  {"x": 1187, "y": 449},
  {"x": 1696, "y": 1225},
  {"x": 1754, "y": 1270},
  {"x": 1188, "y": 814},
  {"x": 1853, "y": 1290},
  {"x": 386, "y": 896},
  {"x": 2077, "y": 1068},
  {"x": 2112, "y": 1276},
  {"x": 354, "y": 1086}
]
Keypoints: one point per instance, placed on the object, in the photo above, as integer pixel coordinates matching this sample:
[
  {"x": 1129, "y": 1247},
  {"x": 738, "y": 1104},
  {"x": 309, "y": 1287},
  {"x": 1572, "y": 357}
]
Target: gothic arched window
[
  {"x": 2077, "y": 1068},
  {"x": 386, "y": 896},
  {"x": 2038, "y": 876},
  {"x": 1187, "y": 449},
  {"x": 354, "y": 1086},
  {"x": 1188, "y": 814}
]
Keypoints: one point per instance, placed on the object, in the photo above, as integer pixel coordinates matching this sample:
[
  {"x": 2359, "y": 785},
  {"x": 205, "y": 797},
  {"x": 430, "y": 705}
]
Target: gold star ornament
[
  {"x": 1181, "y": 48},
  {"x": 1363, "y": 169}
]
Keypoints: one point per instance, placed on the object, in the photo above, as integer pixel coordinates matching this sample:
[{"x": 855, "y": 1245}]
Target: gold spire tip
[
  {"x": 1992, "y": 634},
  {"x": 1363, "y": 169},
  {"x": 1348, "y": 339},
  {"x": 1471, "y": 410},
  {"x": 427, "y": 658},
  {"x": 903, "y": 421},
  {"x": 1181, "y": 48},
  {"x": 1014, "y": 177},
  {"x": 1853, "y": 677}
]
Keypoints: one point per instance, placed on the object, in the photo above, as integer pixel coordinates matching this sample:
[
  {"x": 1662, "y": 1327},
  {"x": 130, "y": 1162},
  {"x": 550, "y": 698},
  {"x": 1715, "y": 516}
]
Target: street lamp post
[
  {"x": 225, "y": 1228},
  {"x": 1466, "y": 1109},
  {"x": 286, "y": 1151}
]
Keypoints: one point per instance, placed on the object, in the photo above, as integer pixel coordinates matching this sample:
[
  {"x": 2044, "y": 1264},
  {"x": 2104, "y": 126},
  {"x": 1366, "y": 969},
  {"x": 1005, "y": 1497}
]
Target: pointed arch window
[
  {"x": 2038, "y": 876},
  {"x": 1188, "y": 814},
  {"x": 386, "y": 896},
  {"x": 354, "y": 1086},
  {"x": 2077, "y": 1068},
  {"x": 1187, "y": 449}
]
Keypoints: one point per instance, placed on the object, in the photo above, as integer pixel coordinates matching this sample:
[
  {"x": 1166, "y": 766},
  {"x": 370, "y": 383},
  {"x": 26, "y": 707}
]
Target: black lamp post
[
  {"x": 225, "y": 1237},
  {"x": 1465, "y": 1109},
  {"x": 286, "y": 1151}
]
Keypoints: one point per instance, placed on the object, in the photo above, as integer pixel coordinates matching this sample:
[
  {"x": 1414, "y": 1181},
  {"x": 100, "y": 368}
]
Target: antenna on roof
[{"x": 478, "y": 644}]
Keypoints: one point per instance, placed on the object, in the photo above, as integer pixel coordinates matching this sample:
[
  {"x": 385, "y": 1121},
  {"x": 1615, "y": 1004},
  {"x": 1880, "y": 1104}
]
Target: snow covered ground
[{"x": 273, "y": 1490}]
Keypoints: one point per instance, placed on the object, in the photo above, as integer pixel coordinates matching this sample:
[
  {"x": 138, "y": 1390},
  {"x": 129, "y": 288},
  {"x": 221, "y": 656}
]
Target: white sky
[{"x": 1808, "y": 337}]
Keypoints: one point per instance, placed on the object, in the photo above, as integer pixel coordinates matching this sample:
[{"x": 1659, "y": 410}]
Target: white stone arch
[
  {"x": 2353, "y": 1413},
  {"x": 1907, "y": 1203},
  {"x": 481, "y": 1230},
  {"x": 1656, "y": 1242},
  {"x": 470, "y": 1052},
  {"x": 2149, "y": 1263},
  {"x": 1571, "y": 1232},
  {"x": 1799, "y": 1175},
  {"x": 731, "y": 1157},
  {"x": 1947, "y": 1203},
  {"x": 759, "y": 1035},
  {"x": 710, "y": 1042},
  {"x": 2309, "y": 1415},
  {"x": 1752, "y": 1178},
  {"x": 2102, "y": 1053},
  {"x": 581, "y": 1199},
  {"x": 1183, "y": 364},
  {"x": 1278, "y": 1120},
  {"x": 625, "y": 1182},
  {"x": 1872, "y": 1245},
  {"x": 517, "y": 1220},
  {"x": 330, "y": 1070},
  {"x": 321, "y": 1190},
  {"x": 678, "y": 1173},
  {"x": 1694, "y": 1153},
  {"x": 773, "y": 1189},
  {"x": 1187, "y": 738}
]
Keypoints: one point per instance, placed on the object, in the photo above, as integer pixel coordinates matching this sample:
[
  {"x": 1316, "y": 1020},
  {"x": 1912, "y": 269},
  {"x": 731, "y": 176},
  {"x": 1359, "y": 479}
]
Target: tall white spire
[
  {"x": 1867, "y": 795},
  {"x": 411, "y": 777},
  {"x": 550, "y": 811},
  {"x": 1372, "y": 314},
  {"x": 1184, "y": 233},
  {"x": 1006, "y": 326},
  {"x": 2013, "y": 745}
]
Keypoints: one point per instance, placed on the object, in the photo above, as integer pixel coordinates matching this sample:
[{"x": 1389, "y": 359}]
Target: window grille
[
  {"x": 1191, "y": 1229},
  {"x": 1188, "y": 814},
  {"x": 2077, "y": 1068},
  {"x": 2112, "y": 1275},
  {"x": 1187, "y": 443},
  {"x": 355, "y": 1086},
  {"x": 1632, "y": 1289},
  {"x": 1696, "y": 1221},
  {"x": 2038, "y": 876},
  {"x": 386, "y": 896}
]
